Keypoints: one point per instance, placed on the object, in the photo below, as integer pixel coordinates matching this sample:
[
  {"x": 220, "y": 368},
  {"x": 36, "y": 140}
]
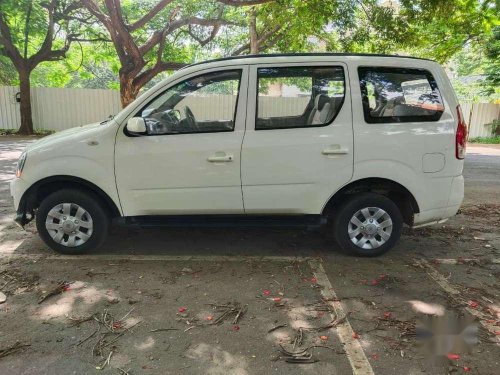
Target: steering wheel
[{"x": 190, "y": 118}]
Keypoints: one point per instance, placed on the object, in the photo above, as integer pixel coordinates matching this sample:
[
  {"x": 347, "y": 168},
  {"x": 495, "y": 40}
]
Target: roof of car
[{"x": 328, "y": 54}]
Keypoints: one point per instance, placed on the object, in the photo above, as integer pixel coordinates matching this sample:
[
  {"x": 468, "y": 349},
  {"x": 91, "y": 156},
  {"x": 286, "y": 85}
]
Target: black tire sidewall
[
  {"x": 88, "y": 201},
  {"x": 344, "y": 213}
]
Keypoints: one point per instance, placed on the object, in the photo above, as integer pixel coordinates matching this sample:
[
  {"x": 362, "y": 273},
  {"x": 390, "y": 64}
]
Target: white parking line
[
  {"x": 484, "y": 320},
  {"x": 354, "y": 351}
]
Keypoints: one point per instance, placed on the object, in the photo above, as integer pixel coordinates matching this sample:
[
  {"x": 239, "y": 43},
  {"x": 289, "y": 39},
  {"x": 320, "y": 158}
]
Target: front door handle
[
  {"x": 335, "y": 151},
  {"x": 218, "y": 158}
]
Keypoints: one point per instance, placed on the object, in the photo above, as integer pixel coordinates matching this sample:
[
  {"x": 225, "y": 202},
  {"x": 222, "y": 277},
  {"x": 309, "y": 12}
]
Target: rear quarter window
[{"x": 399, "y": 95}]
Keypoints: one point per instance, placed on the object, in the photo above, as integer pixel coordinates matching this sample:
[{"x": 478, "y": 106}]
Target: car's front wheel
[
  {"x": 367, "y": 224},
  {"x": 72, "y": 221}
]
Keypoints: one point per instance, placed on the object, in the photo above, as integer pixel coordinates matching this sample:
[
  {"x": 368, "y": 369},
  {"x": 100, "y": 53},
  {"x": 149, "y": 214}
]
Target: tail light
[{"x": 461, "y": 135}]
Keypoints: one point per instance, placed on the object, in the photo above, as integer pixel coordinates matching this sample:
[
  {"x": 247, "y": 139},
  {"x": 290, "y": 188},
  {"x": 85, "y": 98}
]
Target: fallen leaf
[{"x": 210, "y": 317}]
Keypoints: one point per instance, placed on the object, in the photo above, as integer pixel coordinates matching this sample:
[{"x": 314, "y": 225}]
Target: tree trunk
[
  {"x": 254, "y": 45},
  {"x": 26, "y": 119},
  {"x": 128, "y": 91}
]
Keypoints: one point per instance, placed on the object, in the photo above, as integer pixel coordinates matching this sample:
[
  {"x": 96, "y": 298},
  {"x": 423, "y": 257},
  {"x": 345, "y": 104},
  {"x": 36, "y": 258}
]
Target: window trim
[
  {"x": 396, "y": 119},
  {"x": 239, "y": 70},
  {"x": 297, "y": 67}
]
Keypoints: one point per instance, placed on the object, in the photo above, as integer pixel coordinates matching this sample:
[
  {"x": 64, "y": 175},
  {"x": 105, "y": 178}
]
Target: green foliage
[
  {"x": 38, "y": 132},
  {"x": 464, "y": 32},
  {"x": 486, "y": 140}
]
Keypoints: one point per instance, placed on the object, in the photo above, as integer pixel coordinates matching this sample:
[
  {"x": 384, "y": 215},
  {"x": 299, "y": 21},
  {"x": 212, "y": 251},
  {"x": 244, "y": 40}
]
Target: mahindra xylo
[{"x": 359, "y": 143}]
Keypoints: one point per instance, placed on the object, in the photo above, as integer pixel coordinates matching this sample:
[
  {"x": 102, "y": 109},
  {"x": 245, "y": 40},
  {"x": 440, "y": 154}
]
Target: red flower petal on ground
[
  {"x": 387, "y": 314},
  {"x": 374, "y": 282},
  {"x": 324, "y": 338},
  {"x": 182, "y": 309},
  {"x": 355, "y": 335},
  {"x": 314, "y": 280},
  {"x": 266, "y": 292},
  {"x": 467, "y": 369},
  {"x": 473, "y": 304},
  {"x": 277, "y": 299},
  {"x": 375, "y": 356},
  {"x": 453, "y": 356},
  {"x": 235, "y": 328}
]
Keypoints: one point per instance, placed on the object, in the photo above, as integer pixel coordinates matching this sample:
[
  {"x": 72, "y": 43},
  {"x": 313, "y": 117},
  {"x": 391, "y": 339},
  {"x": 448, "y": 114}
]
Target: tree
[
  {"x": 32, "y": 32},
  {"x": 147, "y": 45}
]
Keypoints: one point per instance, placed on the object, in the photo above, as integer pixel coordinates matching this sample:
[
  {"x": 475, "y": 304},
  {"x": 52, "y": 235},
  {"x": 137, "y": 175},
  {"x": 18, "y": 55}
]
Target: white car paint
[{"x": 272, "y": 172}]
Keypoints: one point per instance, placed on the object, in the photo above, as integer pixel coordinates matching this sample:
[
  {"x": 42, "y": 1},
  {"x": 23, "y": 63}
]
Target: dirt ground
[{"x": 234, "y": 301}]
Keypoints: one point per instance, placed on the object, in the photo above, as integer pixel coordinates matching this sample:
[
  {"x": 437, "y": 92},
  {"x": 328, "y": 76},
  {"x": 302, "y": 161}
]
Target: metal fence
[
  {"x": 61, "y": 108},
  {"x": 478, "y": 116},
  {"x": 58, "y": 109}
]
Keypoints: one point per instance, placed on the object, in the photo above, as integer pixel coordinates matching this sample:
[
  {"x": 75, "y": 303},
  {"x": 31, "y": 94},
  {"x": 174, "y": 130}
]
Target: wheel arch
[
  {"x": 32, "y": 197},
  {"x": 398, "y": 193}
]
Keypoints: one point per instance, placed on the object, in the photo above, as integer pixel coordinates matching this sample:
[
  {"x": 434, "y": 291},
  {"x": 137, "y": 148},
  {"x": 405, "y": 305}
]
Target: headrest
[{"x": 320, "y": 101}]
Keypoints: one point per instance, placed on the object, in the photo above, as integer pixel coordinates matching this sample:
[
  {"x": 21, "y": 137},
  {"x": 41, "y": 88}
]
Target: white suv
[{"x": 359, "y": 143}]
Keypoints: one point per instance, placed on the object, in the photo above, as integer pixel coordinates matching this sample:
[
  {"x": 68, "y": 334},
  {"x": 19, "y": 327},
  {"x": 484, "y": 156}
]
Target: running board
[{"x": 217, "y": 221}]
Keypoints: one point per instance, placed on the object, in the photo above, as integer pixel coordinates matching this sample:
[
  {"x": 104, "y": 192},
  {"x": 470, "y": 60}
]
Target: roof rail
[{"x": 302, "y": 54}]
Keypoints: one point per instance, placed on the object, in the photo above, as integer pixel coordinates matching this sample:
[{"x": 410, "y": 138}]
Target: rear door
[{"x": 298, "y": 145}]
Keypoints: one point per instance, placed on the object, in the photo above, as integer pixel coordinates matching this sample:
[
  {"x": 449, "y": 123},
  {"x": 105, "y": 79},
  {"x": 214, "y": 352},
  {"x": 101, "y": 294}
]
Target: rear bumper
[{"x": 440, "y": 215}]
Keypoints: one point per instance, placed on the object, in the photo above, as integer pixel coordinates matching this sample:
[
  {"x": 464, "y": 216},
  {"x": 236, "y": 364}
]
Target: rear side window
[
  {"x": 399, "y": 95},
  {"x": 298, "y": 97}
]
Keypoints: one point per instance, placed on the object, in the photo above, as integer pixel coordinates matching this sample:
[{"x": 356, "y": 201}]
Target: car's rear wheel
[
  {"x": 367, "y": 224},
  {"x": 71, "y": 221}
]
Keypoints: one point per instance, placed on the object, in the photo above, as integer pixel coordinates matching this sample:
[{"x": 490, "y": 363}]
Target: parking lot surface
[{"x": 251, "y": 301}]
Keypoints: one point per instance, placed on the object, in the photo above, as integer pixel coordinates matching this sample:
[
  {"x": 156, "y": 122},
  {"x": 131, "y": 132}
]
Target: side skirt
[{"x": 217, "y": 221}]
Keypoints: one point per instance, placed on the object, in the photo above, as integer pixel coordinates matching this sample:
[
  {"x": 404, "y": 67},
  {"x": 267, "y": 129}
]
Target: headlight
[{"x": 20, "y": 164}]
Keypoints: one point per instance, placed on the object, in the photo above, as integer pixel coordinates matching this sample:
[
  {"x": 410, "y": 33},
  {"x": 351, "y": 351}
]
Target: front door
[
  {"x": 189, "y": 162},
  {"x": 298, "y": 147}
]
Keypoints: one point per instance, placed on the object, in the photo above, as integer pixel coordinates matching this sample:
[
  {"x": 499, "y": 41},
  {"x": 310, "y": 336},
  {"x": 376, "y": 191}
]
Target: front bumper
[{"x": 18, "y": 188}]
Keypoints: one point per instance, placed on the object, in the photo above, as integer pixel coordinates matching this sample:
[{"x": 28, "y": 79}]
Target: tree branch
[
  {"x": 8, "y": 45},
  {"x": 271, "y": 33},
  {"x": 149, "y": 16},
  {"x": 177, "y": 24},
  {"x": 239, "y": 3}
]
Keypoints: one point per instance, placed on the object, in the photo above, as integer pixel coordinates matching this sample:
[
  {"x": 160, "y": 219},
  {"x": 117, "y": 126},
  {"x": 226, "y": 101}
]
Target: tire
[
  {"x": 374, "y": 237},
  {"x": 74, "y": 237}
]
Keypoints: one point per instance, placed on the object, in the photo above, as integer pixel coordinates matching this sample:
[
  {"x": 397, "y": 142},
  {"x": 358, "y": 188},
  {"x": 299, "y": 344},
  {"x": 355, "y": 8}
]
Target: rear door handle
[
  {"x": 220, "y": 158},
  {"x": 335, "y": 151}
]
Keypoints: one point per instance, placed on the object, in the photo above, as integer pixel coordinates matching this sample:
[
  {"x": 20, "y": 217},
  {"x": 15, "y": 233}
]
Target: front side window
[
  {"x": 399, "y": 95},
  {"x": 203, "y": 104},
  {"x": 298, "y": 97}
]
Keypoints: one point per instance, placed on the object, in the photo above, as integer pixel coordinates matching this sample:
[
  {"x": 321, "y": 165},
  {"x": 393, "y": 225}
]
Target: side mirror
[{"x": 136, "y": 125}]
